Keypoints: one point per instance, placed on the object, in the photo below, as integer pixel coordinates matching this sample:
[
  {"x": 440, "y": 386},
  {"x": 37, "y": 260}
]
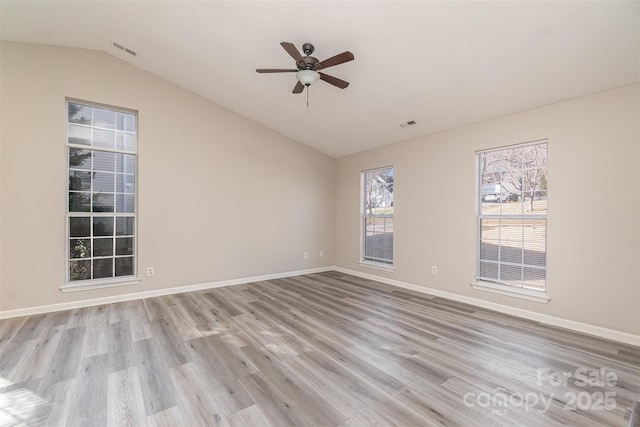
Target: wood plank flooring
[{"x": 324, "y": 349}]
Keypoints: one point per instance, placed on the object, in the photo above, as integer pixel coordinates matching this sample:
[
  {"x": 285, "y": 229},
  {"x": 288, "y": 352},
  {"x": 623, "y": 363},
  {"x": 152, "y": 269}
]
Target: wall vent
[
  {"x": 409, "y": 123},
  {"x": 124, "y": 49}
]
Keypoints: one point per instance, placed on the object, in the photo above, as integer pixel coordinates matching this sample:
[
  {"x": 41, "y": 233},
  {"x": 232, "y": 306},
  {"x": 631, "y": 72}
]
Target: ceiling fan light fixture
[{"x": 307, "y": 77}]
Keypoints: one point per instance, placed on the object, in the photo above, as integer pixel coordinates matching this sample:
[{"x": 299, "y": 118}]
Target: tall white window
[
  {"x": 512, "y": 219},
  {"x": 377, "y": 217},
  {"x": 101, "y": 216}
]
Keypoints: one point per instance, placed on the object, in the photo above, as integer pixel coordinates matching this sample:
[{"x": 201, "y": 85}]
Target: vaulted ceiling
[{"x": 441, "y": 64}]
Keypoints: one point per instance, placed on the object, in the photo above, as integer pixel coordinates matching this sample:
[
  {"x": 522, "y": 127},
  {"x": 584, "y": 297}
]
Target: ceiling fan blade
[
  {"x": 292, "y": 50},
  {"x": 275, "y": 70},
  {"x": 335, "y": 60},
  {"x": 333, "y": 80},
  {"x": 298, "y": 88}
]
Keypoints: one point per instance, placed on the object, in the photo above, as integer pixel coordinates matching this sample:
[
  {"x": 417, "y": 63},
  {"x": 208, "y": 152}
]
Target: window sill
[
  {"x": 98, "y": 285},
  {"x": 377, "y": 266},
  {"x": 526, "y": 294}
]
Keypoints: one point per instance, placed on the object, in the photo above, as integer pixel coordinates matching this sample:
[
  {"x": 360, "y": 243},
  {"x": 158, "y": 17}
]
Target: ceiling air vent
[
  {"x": 409, "y": 123},
  {"x": 124, "y": 49}
]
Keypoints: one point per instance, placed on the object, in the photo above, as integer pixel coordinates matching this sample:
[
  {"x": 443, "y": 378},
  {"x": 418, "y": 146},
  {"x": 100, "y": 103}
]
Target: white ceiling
[{"x": 442, "y": 64}]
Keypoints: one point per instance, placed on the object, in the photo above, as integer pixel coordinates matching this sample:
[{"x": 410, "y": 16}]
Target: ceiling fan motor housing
[{"x": 307, "y": 63}]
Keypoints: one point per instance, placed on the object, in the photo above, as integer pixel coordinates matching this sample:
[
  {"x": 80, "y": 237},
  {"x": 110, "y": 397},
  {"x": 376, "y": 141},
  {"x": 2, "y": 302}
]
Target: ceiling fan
[{"x": 308, "y": 67}]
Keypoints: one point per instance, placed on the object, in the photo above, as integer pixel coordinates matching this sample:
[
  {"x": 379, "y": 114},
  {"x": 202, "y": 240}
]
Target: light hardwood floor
[{"x": 325, "y": 349}]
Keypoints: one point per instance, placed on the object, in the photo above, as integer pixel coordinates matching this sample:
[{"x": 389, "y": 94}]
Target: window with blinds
[
  {"x": 101, "y": 216},
  {"x": 512, "y": 219},
  {"x": 377, "y": 217}
]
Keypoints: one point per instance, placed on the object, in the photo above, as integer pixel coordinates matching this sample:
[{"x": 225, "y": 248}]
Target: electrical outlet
[
  {"x": 434, "y": 269},
  {"x": 150, "y": 271},
  {"x": 305, "y": 255}
]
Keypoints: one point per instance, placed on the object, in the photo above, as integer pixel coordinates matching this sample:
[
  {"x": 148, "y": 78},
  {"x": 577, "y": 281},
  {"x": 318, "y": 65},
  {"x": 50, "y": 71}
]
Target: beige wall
[
  {"x": 220, "y": 197},
  {"x": 594, "y": 207}
]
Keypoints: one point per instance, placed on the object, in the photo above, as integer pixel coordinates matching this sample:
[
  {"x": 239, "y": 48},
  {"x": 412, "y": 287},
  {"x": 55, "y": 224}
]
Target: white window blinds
[{"x": 512, "y": 218}]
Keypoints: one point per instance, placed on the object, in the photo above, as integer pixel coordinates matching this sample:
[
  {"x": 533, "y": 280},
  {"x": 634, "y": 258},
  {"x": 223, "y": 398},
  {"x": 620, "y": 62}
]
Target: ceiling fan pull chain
[{"x": 308, "y": 99}]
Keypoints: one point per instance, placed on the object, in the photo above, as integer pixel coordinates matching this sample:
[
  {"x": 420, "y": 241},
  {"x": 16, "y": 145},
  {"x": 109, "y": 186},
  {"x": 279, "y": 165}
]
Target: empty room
[{"x": 319, "y": 213}]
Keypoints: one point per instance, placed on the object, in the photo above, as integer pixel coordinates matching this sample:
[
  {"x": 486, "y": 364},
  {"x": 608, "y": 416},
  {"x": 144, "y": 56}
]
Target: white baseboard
[
  {"x": 154, "y": 293},
  {"x": 597, "y": 331}
]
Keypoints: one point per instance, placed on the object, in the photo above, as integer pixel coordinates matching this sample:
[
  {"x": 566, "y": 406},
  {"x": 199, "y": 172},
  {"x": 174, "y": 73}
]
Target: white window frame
[
  {"x": 368, "y": 261},
  {"x": 87, "y": 284},
  {"x": 495, "y": 286}
]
